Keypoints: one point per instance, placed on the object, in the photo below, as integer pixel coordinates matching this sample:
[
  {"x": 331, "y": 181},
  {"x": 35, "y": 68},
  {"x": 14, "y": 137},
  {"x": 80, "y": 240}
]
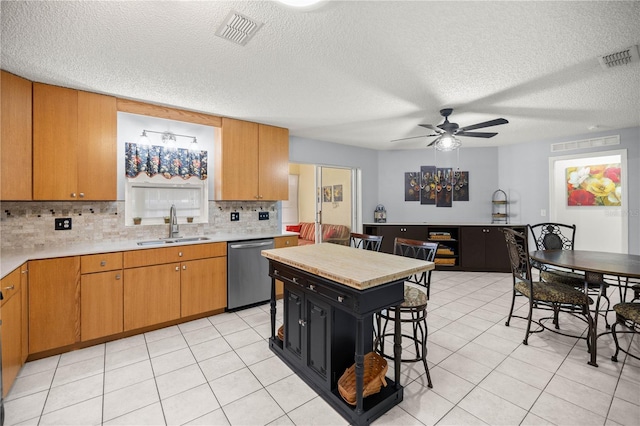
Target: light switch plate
[
  {"x": 263, "y": 215},
  {"x": 235, "y": 216}
]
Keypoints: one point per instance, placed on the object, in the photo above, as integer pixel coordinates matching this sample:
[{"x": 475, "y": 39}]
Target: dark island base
[{"x": 374, "y": 405}]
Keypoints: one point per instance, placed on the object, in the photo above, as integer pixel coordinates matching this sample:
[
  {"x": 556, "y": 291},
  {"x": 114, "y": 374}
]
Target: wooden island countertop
[{"x": 336, "y": 262}]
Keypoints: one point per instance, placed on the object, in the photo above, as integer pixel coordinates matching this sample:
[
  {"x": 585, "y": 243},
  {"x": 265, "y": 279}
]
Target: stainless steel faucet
[{"x": 173, "y": 222}]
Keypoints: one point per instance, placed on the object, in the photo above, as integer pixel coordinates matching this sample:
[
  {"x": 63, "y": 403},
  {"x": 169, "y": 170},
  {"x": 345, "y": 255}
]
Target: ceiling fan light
[{"x": 447, "y": 143}]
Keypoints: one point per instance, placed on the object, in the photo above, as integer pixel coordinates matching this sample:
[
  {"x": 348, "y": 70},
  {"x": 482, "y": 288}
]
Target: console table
[{"x": 330, "y": 295}]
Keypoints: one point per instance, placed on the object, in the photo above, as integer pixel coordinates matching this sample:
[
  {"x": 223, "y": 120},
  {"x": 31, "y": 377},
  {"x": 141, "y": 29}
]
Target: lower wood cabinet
[
  {"x": 54, "y": 303},
  {"x": 151, "y": 295},
  {"x": 203, "y": 285},
  {"x": 101, "y": 304},
  {"x": 484, "y": 249},
  {"x": 11, "y": 311}
]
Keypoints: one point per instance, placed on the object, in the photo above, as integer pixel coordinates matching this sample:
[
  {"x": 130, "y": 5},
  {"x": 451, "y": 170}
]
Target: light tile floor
[{"x": 219, "y": 371}]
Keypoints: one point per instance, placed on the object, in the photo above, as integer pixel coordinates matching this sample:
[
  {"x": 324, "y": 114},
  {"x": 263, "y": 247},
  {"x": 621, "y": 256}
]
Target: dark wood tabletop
[{"x": 619, "y": 264}]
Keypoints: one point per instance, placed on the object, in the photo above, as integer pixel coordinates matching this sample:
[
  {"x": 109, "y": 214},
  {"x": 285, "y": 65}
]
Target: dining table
[{"x": 596, "y": 265}]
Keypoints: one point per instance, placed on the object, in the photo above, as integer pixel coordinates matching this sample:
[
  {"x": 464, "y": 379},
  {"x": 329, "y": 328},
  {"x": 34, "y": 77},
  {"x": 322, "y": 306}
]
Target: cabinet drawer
[
  {"x": 328, "y": 293},
  {"x": 10, "y": 285},
  {"x": 289, "y": 241},
  {"x": 158, "y": 256},
  {"x": 287, "y": 275},
  {"x": 100, "y": 262}
]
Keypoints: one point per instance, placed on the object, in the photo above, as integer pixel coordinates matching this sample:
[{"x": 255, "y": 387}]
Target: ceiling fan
[{"x": 447, "y": 131}]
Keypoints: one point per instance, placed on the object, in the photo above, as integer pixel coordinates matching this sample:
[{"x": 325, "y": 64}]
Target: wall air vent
[
  {"x": 586, "y": 143},
  {"x": 238, "y": 28},
  {"x": 623, "y": 57}
]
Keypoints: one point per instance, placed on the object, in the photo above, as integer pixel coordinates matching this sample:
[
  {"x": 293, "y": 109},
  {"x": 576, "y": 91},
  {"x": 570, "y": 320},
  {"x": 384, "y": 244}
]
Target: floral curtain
[{"x": 169, "y": 162}]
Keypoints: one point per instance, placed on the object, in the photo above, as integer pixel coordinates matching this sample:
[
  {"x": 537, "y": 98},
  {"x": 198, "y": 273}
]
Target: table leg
[
  {"x": 359, "y": 358},
  {"x": 593, "y": 277},
  {"x": 397, "y": 346}
]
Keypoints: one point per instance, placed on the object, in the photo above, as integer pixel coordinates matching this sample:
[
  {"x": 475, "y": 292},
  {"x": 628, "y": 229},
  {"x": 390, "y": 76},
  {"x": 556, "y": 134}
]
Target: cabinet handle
[
  {"x": 340, "y": 299},
  {"x": 312, "y": 287},
  {"x": 177, "y": 268},
  {"x": 26, "y": 271},
  {"x": 287, "y": 242},
  {"x": 11, "y": 287},
  {"x": 103, "y": 263},
  {"x": 302, "y": 322},
  {"x": 276, "y": 272},
  {"x": 117, "y": 276},
  {"x": 180, "y": 254},
  {"x": 82, "y": 195},
  {"x": 184, "y": 267},
  {"x": 73, "y": 195}
]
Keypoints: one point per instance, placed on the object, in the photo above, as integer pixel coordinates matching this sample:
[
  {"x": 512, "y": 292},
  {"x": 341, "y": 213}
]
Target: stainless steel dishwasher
[{"x": 248, "y": 280}]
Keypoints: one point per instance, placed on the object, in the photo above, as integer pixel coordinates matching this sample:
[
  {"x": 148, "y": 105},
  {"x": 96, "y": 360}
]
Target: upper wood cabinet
[
  {"x": 15, "y": 148},
  {"x": 74, "y": 144},
  {"x": 252, "y": 162}
]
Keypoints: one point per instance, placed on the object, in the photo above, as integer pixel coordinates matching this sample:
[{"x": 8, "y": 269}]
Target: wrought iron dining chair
[
  {"x": 542, "y": 295},
  {"x": 365, "y": 241},
  {"x": 559, "y": 236},
  {"x": 627, "y": 314},
  {"x": 413, "y": 310}
]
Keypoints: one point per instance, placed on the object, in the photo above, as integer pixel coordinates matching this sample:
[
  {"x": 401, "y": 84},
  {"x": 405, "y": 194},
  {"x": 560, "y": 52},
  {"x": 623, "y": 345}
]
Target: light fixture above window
[{"x": 168, "y": 138}]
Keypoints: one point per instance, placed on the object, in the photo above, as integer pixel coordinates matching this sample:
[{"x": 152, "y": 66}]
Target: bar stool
[
  {"x": 414, "y": 308},
  {"x": 365, "y": 242}
]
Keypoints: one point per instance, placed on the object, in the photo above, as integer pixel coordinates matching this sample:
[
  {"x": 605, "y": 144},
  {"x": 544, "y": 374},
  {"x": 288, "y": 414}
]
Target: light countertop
[
  {"x": 356, "y": 268},
  {"x": 12, "y": 259}
]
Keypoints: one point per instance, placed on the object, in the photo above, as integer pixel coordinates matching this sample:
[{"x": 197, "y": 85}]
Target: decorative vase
[
  {"x": 190, "y": 220},
  {"x": 137, "y": 220}
]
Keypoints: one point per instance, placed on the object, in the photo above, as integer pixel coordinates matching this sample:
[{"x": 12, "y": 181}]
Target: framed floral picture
[
  {"x": 326, "y": 194},
  {"x": 337, "y": 193},
  {"x": 596, "y": 185}
]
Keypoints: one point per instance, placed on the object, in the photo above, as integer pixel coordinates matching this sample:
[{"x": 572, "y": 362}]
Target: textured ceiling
[{"x": 357, "y": 73}]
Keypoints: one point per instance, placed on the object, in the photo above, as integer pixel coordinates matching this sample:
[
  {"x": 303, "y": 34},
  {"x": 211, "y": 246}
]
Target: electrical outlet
[
  {"x": 263, "y": 215},
  {"x": 235, "y": 216},
  {"x": 63, "y": 224}
]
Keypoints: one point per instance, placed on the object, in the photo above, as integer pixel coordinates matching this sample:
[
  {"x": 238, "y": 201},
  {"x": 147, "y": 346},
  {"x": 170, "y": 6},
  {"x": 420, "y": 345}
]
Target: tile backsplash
[{"x": 29, "y": 225}]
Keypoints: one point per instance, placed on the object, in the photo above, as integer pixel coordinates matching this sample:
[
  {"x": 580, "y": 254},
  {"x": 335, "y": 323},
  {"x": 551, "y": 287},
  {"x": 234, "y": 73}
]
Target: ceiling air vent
[
  {"x": 623, "y": 57},
  {"x": 586, "y": 143},
  {"x": 238, "y": 28}
]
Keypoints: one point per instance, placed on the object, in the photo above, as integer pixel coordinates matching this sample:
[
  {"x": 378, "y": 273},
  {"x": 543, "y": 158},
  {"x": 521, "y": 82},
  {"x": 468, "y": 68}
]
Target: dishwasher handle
[{"x": 251, "y": 245}]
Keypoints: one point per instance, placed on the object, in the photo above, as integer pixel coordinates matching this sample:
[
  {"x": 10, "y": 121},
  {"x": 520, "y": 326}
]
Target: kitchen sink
[{"x": 163, "y": 241}]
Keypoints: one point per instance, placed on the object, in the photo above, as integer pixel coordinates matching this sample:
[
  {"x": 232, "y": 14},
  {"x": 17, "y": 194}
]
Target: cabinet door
[
  {"x": 273, "y": 156},
  {"x": 203, "y": 285},
  {"x": 55, "y": 141},
  {"x": 318, "y": 329},
  {"x": 54, "y": 303},
  {"x": 101, "y": 304},
  {"x": 151, "y": 295},
  {"x": 237, "y": 161},
  {"x": 15, "y": 142},
  {"x": 24, "y": 293},
  {"x": 11, "y": 341},
  {"x": 96, "y": 158},
  {"x": 293, "y": 319},
  {"x": 497, "y": 255},
  {"x": 472, "y": 256}
]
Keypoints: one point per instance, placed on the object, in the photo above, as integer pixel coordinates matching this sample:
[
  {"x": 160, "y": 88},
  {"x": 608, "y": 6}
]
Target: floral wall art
[{"x": 596, "y": 185}]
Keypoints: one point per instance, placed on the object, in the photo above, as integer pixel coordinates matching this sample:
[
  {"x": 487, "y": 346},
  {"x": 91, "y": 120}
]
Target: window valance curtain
[{"x": 168, "y": 162}]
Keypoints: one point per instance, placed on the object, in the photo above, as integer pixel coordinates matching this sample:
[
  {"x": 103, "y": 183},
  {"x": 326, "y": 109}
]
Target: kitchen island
[{"x": 330, "y": 295}]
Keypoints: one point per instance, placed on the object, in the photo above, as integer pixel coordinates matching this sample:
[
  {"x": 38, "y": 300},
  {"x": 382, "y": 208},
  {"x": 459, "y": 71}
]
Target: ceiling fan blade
[
  {"x": 432, "y": 127},
  {"x": 433, "y": 142},
  {"x": 477, "y": 134},
  {"x": 489, "y": 123},
  {"x": 412, "y": 137}
]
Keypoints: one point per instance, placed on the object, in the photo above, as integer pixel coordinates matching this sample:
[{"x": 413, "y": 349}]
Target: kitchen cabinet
[
  {"x": 484, "y": 249},
  {"x": 11, "y": 309},
  {"x": 54, "y": 303},
  {"x": 391, "y": 232},
  {"x": 447, "y": 238},
  {"x": 101, "y": 295},
  {"x": 252, "y": 162},
  {"x": 281, "y": 242},
  {"x": 24, "y": 284},
  {"x": 15, "y": 142},
  {"x": 74, "y": 144},
  {"x": 165, "y": 284}
]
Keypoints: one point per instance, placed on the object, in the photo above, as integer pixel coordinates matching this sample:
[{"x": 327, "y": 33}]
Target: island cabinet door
[
  {"x": 293, "y": 317},
  {"x": 318, "y": 335}
]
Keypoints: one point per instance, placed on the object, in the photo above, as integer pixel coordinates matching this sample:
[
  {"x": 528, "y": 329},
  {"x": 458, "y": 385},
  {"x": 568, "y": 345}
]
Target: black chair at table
[
  {"x": 627, "y": 314},
  {"x": 414, "y": 308},
  {"x": 559, "y": 236},
  {"x": 365, "y": 242},
  {"x": 542, "y": 295}
]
